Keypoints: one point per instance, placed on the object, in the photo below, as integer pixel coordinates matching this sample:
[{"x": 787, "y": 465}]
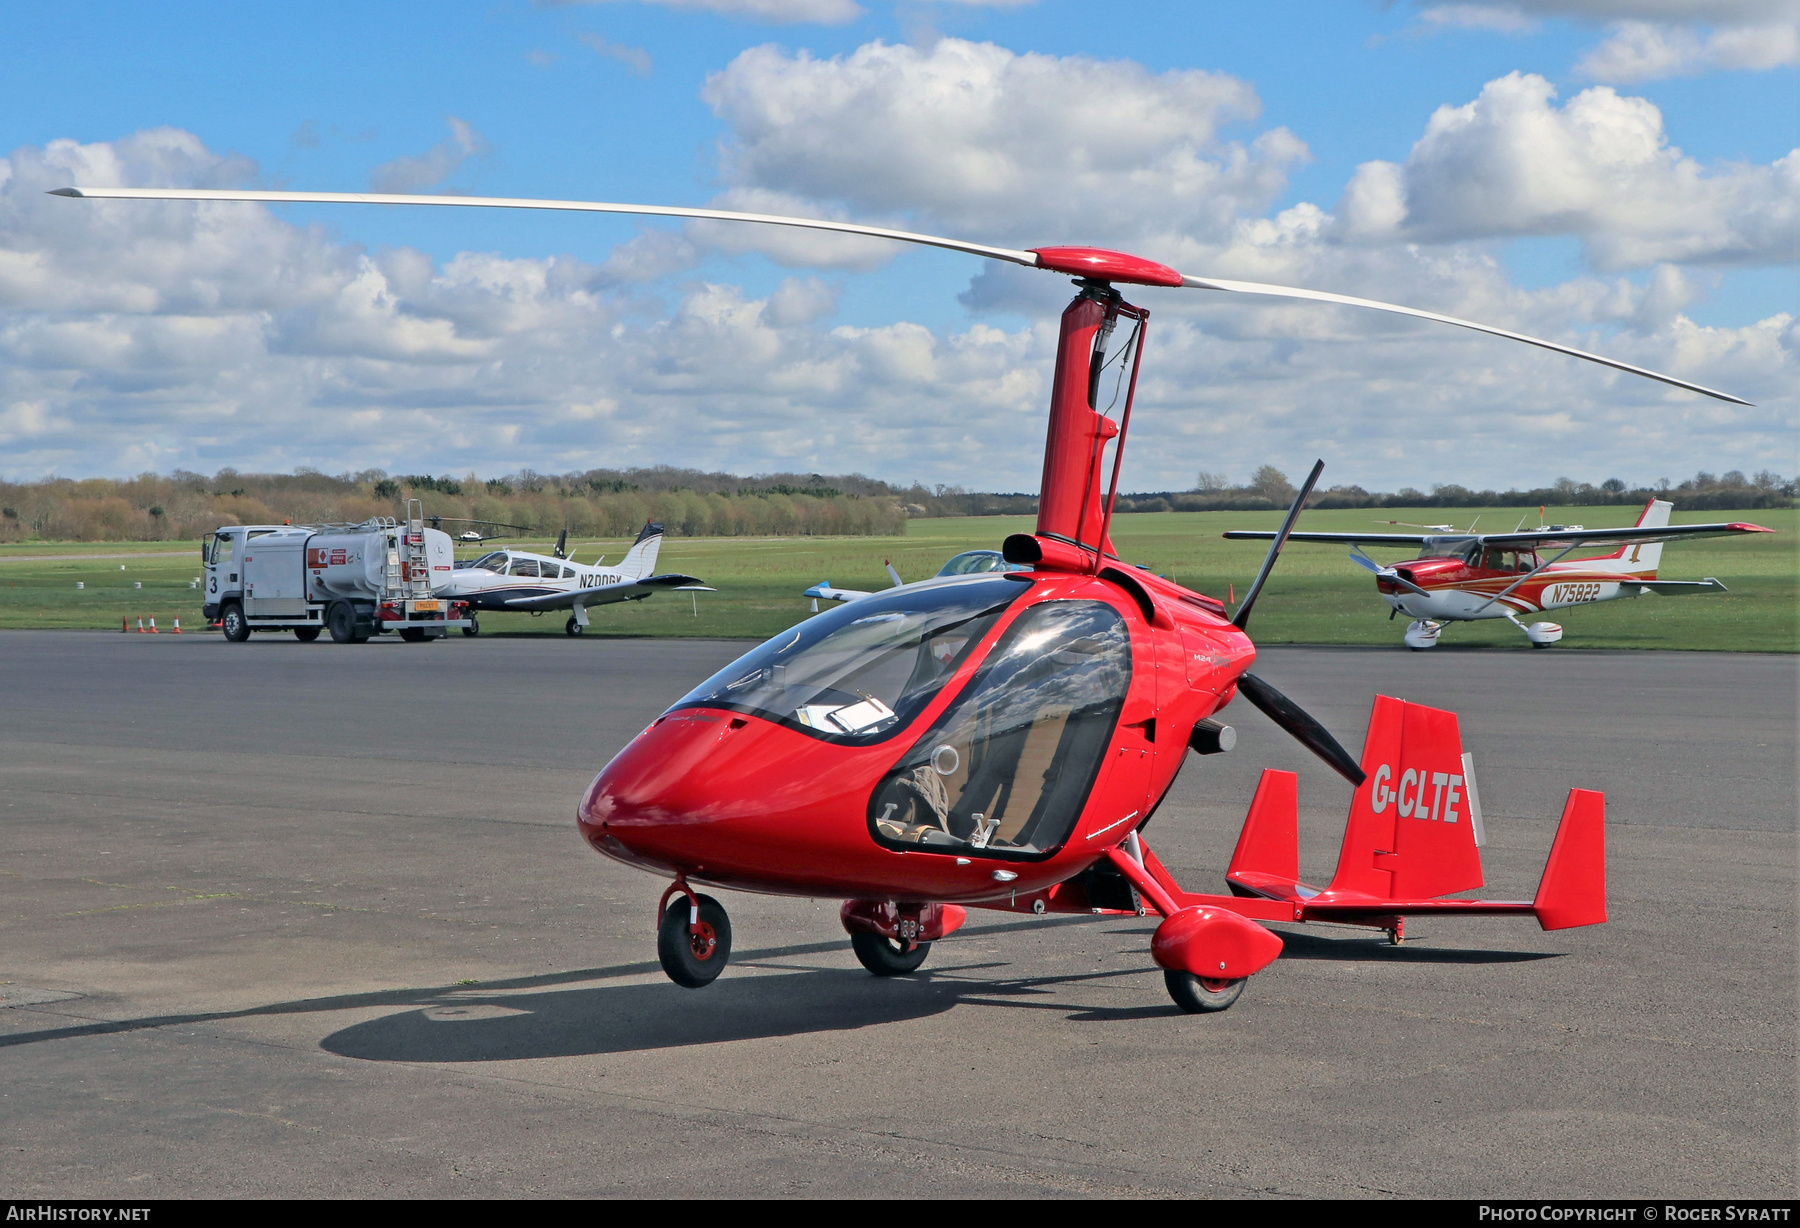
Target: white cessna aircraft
[{"x": 523, "y": 582}]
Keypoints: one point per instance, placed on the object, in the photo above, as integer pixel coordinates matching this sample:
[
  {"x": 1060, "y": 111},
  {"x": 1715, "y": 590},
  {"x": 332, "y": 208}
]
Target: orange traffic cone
[
  {"x": 140, "y": 629},
  {"x": 153, "y": 630},
  {"x": 177, "y": 630},
  {"x": 124, "y": 624}
]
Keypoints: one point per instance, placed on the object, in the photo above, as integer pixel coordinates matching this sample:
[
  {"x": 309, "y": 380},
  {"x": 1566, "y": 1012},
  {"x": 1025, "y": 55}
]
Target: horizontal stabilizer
[
  {"x": 1678, "y": 588},
  {"x": 1573, "y": 889}
]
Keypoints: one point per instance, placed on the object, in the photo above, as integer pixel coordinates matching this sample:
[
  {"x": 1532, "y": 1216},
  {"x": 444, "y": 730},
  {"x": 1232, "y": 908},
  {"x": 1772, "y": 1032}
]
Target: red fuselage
[{"x": 751, "y": 803}]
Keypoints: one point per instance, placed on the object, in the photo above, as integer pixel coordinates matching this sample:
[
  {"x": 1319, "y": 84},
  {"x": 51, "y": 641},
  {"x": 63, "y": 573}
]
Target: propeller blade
[
  {"x": 1321, "y": 296},
  {"x": 1095, "y": 263},
  {"x": 1287, "y": 526},
  {"x": 1386, "y": 573},
  {"x": 1298, "y": 722}
]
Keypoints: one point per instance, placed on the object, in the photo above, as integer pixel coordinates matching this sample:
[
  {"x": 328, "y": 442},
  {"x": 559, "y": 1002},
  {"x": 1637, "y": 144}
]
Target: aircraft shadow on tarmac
[
  {"x": 529, "y": 1016},
  {"x": 472, "y": 1026}
]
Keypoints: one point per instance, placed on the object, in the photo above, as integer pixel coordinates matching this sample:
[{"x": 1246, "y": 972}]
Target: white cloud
[
  {"x": 434, "y": 165},
  {"x": 1649, "y": 39},
  {"x": 634, "y": 58},
  {"x": 999, "y": 146},
  {"x": 1600, "y": 168},
  {"x": 1641, "y": 51}
]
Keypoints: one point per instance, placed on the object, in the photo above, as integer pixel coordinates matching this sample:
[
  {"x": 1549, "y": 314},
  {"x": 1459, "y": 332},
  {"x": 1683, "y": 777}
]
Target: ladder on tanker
[{"x": 409, "y": 565}]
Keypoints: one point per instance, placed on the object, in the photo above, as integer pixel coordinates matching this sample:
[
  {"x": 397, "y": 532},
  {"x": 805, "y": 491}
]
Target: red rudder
[
  {"x": 1269, "y": 846},
  {"x": 1573, "y": 889}
]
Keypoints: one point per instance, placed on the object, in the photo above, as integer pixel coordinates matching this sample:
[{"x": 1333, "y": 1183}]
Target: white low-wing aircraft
[
  {"x": 968, "y": 563},
  {"x": 1466, "y": 577},
  {"x": 522, "y": 582}
]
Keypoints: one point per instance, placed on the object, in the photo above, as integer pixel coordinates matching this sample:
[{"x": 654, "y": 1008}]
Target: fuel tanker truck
[{"x": 352, "y": 580}]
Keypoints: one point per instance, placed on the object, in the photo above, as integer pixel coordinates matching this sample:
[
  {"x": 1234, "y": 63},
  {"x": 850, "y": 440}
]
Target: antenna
[{"x": 1287, "y": 526}]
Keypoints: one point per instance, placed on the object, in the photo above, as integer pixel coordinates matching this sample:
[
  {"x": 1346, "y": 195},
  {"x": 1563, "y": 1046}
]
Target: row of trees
[
  {"x": 601, "y": 503},
  {"x": 614, "y": 503},
  {"x": 1270, "y": 488}
]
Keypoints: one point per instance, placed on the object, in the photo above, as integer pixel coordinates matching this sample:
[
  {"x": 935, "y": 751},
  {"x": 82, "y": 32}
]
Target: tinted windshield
[
  {"x": 1463, "y": 548},
  {"x": 487, "y": 562},
  {"x": 865, "y": 669},
  {"x": 973, "y": 561}
]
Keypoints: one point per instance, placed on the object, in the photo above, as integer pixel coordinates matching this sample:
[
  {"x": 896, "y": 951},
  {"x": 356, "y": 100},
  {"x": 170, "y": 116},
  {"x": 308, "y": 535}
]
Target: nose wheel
[{"x": 693, "y": 942}]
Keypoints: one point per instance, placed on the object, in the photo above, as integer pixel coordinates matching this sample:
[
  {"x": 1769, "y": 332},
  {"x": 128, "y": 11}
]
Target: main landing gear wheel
[
  {"x": 306, "y": 635},
  {"x": 1198, "y": 995},
  {"x": 474, "y": 627},
  {"x": 694, "y": 959},
  {"x": 572, "y": 627},
  {"x": 887, "y": 956}
]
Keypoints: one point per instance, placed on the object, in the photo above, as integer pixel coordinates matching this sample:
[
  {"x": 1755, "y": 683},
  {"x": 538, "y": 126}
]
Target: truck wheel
[
  {"x": 341, "y": 621},
  {"x": 233, "y": 623},
  {"x": 572, "y": 627},
  {"x": 413, "y": 635},
  {"x": 474, "y": 627},
  {"x": 306, "y": 635}
]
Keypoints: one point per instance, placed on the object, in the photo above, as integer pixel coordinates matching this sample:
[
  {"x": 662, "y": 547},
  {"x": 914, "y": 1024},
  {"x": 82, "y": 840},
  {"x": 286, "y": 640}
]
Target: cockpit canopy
[
  {"x": 971, "y": 562},
  {"x": 866, "y": 669}
]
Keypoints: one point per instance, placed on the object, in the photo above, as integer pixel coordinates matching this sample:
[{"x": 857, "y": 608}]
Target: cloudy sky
[{"x": 1619, "y": 175}]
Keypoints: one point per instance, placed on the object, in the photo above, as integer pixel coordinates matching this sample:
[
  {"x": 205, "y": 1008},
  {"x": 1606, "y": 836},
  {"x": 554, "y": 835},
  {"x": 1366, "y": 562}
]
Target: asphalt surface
[{"x": 283, "y": 919}]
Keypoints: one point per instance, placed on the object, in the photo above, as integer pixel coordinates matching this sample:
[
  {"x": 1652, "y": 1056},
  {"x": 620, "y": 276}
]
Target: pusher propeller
[
  {"x": 1287, "y": 526},
  {"x": 1300, "y": 723},
  {"x": 1088, "y": 262},
  {"x": 1271, "y": 702}
]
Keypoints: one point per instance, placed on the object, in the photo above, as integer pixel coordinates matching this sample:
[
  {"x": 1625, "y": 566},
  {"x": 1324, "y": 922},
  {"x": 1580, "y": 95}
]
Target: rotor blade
[
  {"x": 1013, "y": 255},
  {"x": 1295, "y": 719},
  {"x": 1320, "y": 296},
  {"x": 1086, "y": 262},
  {"x": 1287, "y": 526}
]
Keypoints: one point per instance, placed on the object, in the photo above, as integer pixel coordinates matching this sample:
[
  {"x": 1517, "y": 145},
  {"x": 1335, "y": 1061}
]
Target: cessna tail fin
[
  {"x": 640, "y": 560},
  {"x": 1411, "y": 833},
  {"x": 1642, "y": 558}
]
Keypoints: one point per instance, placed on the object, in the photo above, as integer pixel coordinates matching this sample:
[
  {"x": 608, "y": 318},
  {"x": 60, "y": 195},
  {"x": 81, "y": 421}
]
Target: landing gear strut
[{"x": 693, "y": 941}]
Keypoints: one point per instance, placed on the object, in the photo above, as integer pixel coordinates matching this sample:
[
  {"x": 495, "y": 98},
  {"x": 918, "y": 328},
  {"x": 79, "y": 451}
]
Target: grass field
[{"x": 1316, "y": 595}]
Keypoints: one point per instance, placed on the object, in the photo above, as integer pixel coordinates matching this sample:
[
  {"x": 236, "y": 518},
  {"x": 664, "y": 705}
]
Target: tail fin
[
  {"x": 1268, "y": 849},
  {"x": 1642, "y": 557},
  {"x": 1411, "y": 832},
  {"x": 562, "y": 544},
  {"x": 640, "y": 560},
  {"x": 1573, "y": 889}
]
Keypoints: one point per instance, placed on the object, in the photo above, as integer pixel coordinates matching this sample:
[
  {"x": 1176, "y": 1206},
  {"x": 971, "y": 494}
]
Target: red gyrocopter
[{"x": 1001, "y": 740}]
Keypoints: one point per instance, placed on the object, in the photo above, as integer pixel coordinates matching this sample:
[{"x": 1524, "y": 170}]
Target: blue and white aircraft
[{"x": 967, "y": 563}]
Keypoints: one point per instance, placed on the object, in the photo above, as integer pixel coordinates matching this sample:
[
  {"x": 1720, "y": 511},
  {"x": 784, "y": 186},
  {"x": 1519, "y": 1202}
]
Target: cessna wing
[
  {"x": 1635, "y": 535},
  {"x": 626, "y": 590},
  {"x": 1342, "y": 539}
]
